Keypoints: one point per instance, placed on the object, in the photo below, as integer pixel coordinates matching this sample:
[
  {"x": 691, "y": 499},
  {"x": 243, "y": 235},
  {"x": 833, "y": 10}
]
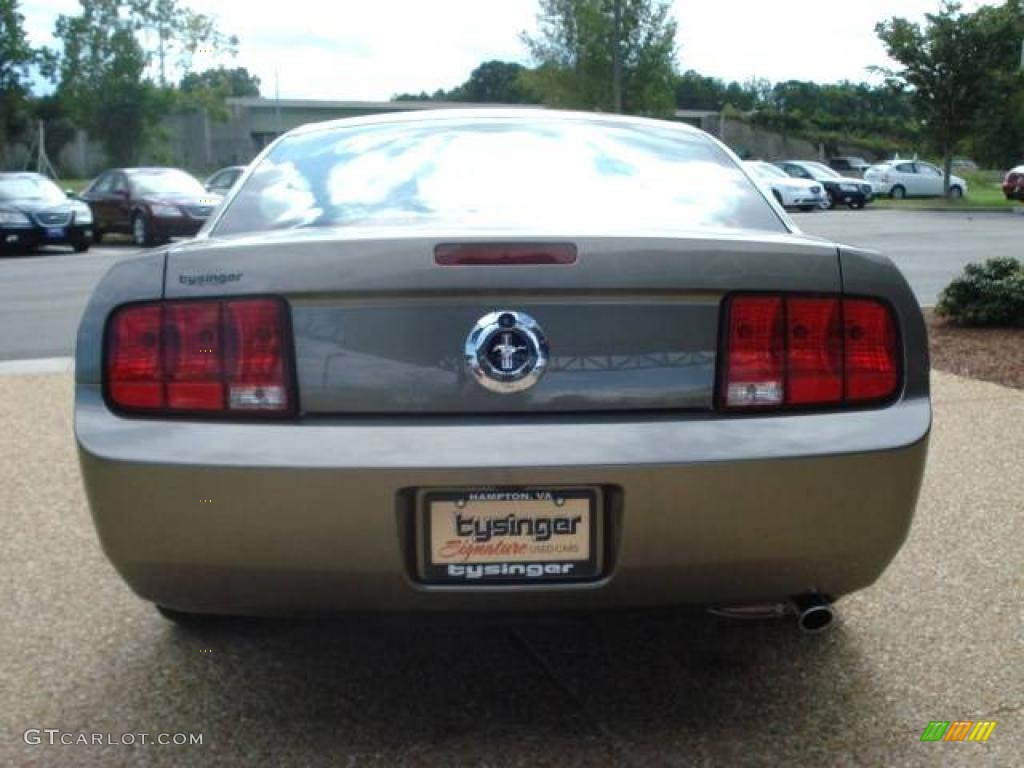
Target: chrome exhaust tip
[{"x": 814, "y": 613}]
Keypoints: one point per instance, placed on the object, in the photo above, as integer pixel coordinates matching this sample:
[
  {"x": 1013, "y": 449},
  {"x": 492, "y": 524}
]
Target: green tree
[
  {"x": 210, "y": 89},
  {"x": 580, "y": 44},
  {"x": 492, "y": 82},
  {"x": 998, "y": 137},
  {"x": 946, "y": 65},
  {"x": 495, "y": 82},
  {"x": 180, "y": 33},
  {"x": 102, "y": 65},
  {"x": 60, "y": 129},
  {"x": 696, "y": 91},
  {"x": 16, "y": 59}
]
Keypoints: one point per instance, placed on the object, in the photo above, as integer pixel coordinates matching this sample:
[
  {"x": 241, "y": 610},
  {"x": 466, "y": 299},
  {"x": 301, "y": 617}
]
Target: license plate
[
  {"x": 488, "y": 536},
  {"x": 55, "y": 233}
]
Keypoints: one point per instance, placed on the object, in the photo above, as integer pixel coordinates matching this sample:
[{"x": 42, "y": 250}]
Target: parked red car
[
  {"x": 1013, "y": 184},
  {"x": 150, "y": 204}
]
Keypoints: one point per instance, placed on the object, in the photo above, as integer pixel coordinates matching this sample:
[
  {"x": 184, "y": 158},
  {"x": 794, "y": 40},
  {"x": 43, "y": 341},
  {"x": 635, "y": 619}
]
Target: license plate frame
[{"x": 553, "y": 553}]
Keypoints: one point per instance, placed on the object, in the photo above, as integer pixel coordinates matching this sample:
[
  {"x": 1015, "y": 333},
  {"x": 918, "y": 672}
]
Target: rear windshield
[
  {"x": 769, "y": 171},
  {"x": 499, "y": 172},
  {"x": 819, "y": 170}
]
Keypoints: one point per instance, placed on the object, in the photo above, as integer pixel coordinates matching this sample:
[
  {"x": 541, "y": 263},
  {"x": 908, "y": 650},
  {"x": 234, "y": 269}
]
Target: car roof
[
  {"x": 151, "y": 169},
  {"x": 500, "y": 113}
]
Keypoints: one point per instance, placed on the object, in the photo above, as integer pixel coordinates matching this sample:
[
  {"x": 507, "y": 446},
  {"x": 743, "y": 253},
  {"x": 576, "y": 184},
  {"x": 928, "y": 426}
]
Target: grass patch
[{"x": 969, "y": 203}]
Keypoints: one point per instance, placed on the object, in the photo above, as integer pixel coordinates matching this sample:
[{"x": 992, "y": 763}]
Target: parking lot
[{"x": 42, "y": 296}]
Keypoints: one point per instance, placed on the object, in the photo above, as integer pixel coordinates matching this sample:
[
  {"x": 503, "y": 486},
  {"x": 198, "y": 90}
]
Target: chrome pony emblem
[{"x": 506, "y": 351}]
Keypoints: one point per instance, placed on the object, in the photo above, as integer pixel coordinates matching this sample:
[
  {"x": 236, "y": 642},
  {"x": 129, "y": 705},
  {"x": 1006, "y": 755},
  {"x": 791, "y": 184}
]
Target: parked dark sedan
[
  {"x": 34, "y": 212},
  {"x": 850, "y": 166},
  {"x": 855, "y": 193},
  {"x": 150, "y": 204},
  {"x": 1013, "y": 184}
]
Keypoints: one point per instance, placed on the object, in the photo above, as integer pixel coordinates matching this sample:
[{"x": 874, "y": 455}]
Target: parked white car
[
  {"x": 790, "y": 192},
  {"x": 912, "y": 178}
]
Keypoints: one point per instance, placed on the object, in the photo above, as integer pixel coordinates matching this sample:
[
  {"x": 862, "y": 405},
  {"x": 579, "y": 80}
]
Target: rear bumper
[
  {"x": 31, "y": 237},
  {"x": 853, "y": 198},
  {"x": 277, "y": 519},
  {"x": 805, "y": 199}
]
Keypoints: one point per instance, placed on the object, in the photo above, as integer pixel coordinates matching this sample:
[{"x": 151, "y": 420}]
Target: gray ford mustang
[{"x": 516, "y": 360}]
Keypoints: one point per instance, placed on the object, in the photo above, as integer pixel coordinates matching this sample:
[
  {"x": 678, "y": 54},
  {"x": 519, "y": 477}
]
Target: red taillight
[
  {"x": 193, "y": 354},
  {"x": 871, "y": 350},
  {"x": 497, "y": 254},
  {"x": 814, "y": 351},
  {"x": 254, "y": 363},
  {"x": 797, "y": 351},
  {"x": 756, "y": 349},
  {"x": 199, "y": 357},
  {"x": 134, "y": 365}
]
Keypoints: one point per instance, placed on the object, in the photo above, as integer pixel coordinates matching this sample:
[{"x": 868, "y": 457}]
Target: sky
[{"x": 372, "y": 49}]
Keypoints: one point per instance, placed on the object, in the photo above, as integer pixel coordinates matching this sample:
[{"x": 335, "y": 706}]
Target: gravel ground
[{"x": 937, "y": 638}]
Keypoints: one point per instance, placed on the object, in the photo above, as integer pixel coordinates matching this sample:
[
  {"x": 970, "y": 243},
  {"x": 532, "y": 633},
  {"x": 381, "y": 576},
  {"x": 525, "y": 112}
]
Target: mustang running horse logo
[{"x": 508, "y": 351}]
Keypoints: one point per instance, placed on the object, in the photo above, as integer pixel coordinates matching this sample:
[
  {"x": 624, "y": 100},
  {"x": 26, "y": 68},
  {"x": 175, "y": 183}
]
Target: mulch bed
[{"x": 990, "y": 354}]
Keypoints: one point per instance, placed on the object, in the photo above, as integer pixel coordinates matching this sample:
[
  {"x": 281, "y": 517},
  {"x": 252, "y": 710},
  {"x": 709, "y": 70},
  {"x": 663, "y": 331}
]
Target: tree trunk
[{"x": 947, "y": 169}]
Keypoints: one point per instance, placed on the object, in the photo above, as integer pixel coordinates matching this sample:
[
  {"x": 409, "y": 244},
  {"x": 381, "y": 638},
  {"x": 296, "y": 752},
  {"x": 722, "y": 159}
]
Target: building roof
[{"x": 377, "y": 106}]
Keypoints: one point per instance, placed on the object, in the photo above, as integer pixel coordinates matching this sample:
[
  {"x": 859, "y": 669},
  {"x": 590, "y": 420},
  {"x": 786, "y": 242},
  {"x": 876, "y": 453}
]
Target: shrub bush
[{"x": 986, "y": 294}]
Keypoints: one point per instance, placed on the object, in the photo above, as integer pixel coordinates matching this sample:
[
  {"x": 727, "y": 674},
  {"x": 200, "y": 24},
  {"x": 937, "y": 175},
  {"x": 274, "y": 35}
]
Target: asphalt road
[
  {"x": 937, "y": 638},
  {"x": 930, "y": 248},
  {"x": 42, "y": 296}
]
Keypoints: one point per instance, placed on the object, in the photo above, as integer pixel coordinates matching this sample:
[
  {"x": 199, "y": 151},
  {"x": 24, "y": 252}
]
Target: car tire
[
  {"x": 140, "y": 231},
  {"x": 856, "y": 204},
  {"x": 81, "y": 246},
  {"x": 956, "y": 192},
  {"x": 829, "y": 202},
  {"x": 898, "y": 192}
]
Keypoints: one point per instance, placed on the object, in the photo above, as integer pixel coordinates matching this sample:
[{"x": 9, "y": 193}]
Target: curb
[
  {"x": 37, "y": 366},
  {"x": 1016, "y": 210}
]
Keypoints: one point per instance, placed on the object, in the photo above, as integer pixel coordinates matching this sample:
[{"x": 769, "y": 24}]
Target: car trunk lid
[{"x": 380, "y": 326}]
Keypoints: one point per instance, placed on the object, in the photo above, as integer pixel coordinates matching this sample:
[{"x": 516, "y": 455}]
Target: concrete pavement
[{"x": 937, "y": 638}]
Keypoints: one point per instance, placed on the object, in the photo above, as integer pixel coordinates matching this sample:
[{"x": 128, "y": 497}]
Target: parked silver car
[{"x": 912, "y": 178}]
